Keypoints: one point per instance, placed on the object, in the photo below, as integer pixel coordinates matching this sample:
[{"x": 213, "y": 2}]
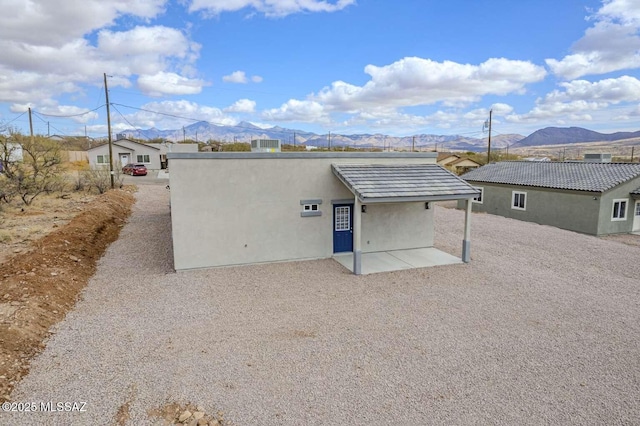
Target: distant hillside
[
  {"x": 245, "y": 131},
  {"x": 569, "y": 135}
]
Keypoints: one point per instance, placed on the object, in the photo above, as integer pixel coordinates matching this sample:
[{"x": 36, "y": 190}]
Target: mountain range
[
  {"x": 245, "y": 131},
  {"x": 569, "y": 135}
]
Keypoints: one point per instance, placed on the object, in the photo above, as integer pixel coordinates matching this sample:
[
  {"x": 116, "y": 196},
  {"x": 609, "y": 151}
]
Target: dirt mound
[{"x": 38, "y": 287}]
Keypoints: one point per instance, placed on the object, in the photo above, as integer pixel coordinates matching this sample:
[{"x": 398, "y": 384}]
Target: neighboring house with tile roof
[
  {"x": 456, "y": 163},
  {"x": 592, "y": 198},
  {"x": 232, "y": 208}
]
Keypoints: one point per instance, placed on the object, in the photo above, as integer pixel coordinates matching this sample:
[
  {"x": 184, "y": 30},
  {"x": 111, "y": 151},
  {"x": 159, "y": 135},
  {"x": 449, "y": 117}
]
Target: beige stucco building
[{"x": 240, "y": 208}]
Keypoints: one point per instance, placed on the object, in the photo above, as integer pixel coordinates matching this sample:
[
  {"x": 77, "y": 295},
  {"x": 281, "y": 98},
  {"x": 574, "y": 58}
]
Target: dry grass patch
[{"x": 22, "y": 224}]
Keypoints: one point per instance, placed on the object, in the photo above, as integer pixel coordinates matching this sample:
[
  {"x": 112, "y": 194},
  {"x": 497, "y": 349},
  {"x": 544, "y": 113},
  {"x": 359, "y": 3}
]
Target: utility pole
[
  {"x": 329, "y": 141},
  {"x": 196, "y": 137},
  {"x": 184, "y": 135},
  {"x": 30, "y": 126},
  {"x": 48, "y": 131},
  {"x": 632, "y": 148},
  {"x": 106, "y": 94},
  {"x": 294, "y": 139},
  {"x": 489, "y": 143},
  {"x": 413, "y": 144}
]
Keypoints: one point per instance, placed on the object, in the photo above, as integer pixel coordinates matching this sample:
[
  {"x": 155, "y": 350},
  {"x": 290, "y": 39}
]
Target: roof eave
[{"x": 425, "y": 198}]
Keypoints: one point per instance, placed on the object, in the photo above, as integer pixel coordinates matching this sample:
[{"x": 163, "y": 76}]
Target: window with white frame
[
  {"x": 142, "y": 159},
  {"x": 102, "y": 159},
  {"x": 619, "y": 211},
  {"x": 519, "y": 200},
  {"x": 479, "y": 198},
  {"x": 310, "y": 207}
]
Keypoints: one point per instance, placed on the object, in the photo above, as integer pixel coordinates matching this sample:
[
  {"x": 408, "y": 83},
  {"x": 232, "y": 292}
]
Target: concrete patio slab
[{"x": 396, "y": 260}]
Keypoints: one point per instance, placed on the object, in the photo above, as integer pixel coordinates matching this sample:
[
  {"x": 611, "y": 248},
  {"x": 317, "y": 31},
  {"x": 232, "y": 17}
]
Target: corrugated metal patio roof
[{"x": 386, "y": 183}]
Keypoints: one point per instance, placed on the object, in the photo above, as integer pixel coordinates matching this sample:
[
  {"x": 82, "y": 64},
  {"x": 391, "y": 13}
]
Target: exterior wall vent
[
  {"x": 597, "y": 158},
  {"x": 265, "y": 145}
]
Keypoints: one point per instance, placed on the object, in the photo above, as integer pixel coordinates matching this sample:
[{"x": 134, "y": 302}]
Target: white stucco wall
[
  {"x": 238, "y": 208},
  {"x": 129, "y": 148},
  {"x": 140, "y": 149}
]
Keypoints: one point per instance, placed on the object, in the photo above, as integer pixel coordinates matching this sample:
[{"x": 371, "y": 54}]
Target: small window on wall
[
  {"x": 619, "y": 209},
  {"x": 310, "y": 208},
  {"x": 142, "y": 159},
  {"x": 478, "y": 199},
  {"x": 519, "y": 200},
  {"x": 102, "y": 159}
]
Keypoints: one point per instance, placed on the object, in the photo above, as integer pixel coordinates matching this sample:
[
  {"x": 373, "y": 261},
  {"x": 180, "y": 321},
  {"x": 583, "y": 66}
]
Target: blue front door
[{"x": 342, "y": 228}]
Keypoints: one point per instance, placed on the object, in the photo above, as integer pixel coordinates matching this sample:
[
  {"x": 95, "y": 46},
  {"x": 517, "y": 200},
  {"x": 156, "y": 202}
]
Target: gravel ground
[{"x": 543, "y": 327}]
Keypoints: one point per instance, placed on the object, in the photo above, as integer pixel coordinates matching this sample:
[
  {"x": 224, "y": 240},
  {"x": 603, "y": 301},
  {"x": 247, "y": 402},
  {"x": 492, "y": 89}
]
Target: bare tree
[
  {"x": 35, "y": 171},
  {"x": 99, "y": 177}
]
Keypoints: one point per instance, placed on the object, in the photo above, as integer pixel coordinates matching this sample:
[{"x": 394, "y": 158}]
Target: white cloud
[
  {"x": 168, "y": 83},
  {"x": 611, "y": 90},
  {"x": 554, "y": 111},
  {"x": 627, "y": 11},
  {"x": 611, "y": 44},
  {"x": 416, "y": 81},
  {"x": 242, "y": 105},
  {"x": 155, "y": 41},
  {"x": 42, "y": 58},
  {"x": 411, "y": 82},
  {"x": 301, "y": 111},
  {"x": 579, "y": 99},
  {"x": 240, "y": 77},
  {"x": 79, "y": 115},
  {"x": 55, "y": 23},
  {"x": 165, "y": 115},
  {"x": 235, "y": 77},
  {"x": 271, "y": 8}
]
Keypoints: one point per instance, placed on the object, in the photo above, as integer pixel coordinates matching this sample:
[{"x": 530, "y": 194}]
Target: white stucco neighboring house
[
  {"x": 10, "y": 153},
  {"x": 152, "y": 155},
  {"x": 232, "y": 208}
]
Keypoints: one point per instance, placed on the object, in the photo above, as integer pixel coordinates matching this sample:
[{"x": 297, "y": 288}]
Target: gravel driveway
[{"x": 543, "y": 327}]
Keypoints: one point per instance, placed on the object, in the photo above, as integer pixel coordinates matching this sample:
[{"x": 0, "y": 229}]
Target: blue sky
[{"x": 345, "y": 66}]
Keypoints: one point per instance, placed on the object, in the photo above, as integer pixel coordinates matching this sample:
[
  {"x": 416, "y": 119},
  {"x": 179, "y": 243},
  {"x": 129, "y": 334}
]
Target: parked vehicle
[{"x": 135, "y": 169}]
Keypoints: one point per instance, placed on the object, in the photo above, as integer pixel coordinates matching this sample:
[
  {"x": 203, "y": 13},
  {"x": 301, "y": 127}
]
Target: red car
[{"x": 135, "y": 169}]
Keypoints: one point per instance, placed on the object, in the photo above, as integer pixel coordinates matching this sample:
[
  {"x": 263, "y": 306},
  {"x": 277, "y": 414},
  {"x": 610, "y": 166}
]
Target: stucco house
[
  {"x": 232, "y": 208},
  {"x": 456, "y": 163},
  {"x": 152, "y": 155},
  {"x": 591, "y": 198}
]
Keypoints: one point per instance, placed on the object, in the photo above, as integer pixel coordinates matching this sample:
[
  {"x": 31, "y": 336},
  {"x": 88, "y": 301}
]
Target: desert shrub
[
  {"x": 37, "y": 170},
  {"x": 99, "y": 178}
]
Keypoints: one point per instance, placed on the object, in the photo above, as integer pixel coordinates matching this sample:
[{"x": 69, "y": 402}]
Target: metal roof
[
  {"x": 636, "y": 193},
  {"x": 592, "y": 177},
  {"x": 388, "y": 183}
]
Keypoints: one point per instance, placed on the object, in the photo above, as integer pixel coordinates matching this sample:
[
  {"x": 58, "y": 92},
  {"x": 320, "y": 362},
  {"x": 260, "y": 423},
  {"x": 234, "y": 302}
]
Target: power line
[
  {"x": 67, "y": 116},
  {"x": 125, "y": 119},
  {"x": 6, "y": 126}
]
